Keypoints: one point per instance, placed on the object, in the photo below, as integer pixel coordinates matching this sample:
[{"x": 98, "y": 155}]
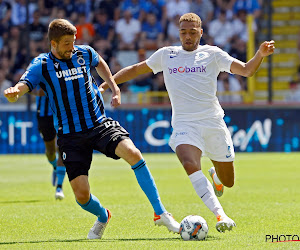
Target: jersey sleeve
[
  {"x": 32, "y": 75},
  {"x": 94, "y": 56},
  {"x": 224, "y": 60},
  {"x": 155, "y": 61}
]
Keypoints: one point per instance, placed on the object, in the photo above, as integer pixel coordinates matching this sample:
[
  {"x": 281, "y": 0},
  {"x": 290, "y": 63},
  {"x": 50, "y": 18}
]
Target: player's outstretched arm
[
  {"x": 248, "y": 69},
  {"x": 128, "y": 73},
  {"x": 12, "y": 94}
]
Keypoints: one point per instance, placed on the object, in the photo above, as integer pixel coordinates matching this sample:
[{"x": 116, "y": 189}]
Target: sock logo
[{"x": 64, "y": 156}]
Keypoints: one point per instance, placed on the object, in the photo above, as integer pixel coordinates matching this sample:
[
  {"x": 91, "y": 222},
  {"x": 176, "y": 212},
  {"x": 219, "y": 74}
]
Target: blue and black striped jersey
[
  {"x": 72, "y": 91},
  {"x": 43, "y": 107}
]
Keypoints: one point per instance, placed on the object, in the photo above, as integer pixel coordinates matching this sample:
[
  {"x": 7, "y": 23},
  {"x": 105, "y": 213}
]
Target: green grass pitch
[{"x": 264, "y": 201}]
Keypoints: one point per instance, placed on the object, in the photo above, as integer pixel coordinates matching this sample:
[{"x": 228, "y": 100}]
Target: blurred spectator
[
  {"x": 143, "y": 82},
  {"x": 225, "y": 5},
  {"x": 294, "y": 94},
  {"x": 4, "y": 84},
  {"x": 81, "y": 7},
  {"x": 177, "y": 7},
  {"x": 68, "y": 7},
  {"x": 238, "y": 49},
  {"x": 5, "y": 14},
  {"x": 128, "y": 31},
  {"x": 251, "y": 7},
  {"x": 134, "y": 6},
  {"x": 37, "y": 31},
  {"x": 204, "y": 9},
  {"x": 158, "y": 7},
  {"x": 172, "y": 32},
  {"x": 18, "y": 15},
  {"x": 85, "y": 30},
  {"x": 109, "y": 7},
  {"x": 152, "y": 33},
  {"x": 228, "y": 83},
  {"x": 221, "y": 31},
  {"x": 104, "y": 28},
  {"x": 239, "y": 25},
  {"x": 159, "y": 85}
]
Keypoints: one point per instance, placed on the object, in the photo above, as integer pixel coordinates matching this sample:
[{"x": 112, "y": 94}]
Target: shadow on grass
[
  {"x": 208, "y": 238},
  {"x": 30, "y": 201}
]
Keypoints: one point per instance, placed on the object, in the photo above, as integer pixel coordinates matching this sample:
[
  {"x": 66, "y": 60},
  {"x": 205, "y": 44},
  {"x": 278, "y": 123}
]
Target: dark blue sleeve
[{"x": 32, "y": 75}]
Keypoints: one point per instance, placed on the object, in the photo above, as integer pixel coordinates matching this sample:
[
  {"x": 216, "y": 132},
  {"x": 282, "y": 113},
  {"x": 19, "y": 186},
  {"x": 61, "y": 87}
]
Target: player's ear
[{"x": 53, "y": 43}]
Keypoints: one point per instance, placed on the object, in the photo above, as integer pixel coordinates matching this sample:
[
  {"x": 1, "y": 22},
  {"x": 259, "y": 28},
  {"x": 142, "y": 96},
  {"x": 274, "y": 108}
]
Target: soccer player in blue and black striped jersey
[
  {"x": 64, "y": 74},
  {"x": 47, "y": 131}
]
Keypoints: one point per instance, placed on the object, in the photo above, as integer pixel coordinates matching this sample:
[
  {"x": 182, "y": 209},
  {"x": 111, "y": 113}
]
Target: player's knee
[
  {"x": 134, "y": 153},
  {"x": 228, "y": 182},
  {"x": 190, "y": 166},
  {"x": 82, "y": 196}
]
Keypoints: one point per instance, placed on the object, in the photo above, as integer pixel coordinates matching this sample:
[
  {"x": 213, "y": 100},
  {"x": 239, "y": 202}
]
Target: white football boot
[
  {"x": 224, "y": 223},
  {"x": 219, "y": 189},
  {"x": 97, "y": 230},
  {"x": 59, "y": 194},
  {"x": 166, "y": 219}
]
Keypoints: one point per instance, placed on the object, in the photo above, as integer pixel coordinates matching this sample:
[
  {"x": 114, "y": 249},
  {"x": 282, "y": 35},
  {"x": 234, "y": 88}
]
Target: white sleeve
[
  {"x": 223, "y": 60},
  {"x": 155, "y": 61}
]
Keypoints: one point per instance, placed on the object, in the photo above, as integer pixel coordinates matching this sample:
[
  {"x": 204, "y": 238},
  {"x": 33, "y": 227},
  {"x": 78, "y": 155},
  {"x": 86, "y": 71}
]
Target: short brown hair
[
  {"x": 190, "y": 17},
  {"x": 60, "y": 27}
]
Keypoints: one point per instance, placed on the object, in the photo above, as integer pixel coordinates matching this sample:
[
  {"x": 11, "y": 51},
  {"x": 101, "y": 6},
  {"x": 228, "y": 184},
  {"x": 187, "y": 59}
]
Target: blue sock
[
  {"x": 54, "y": 163},
  {"x": 147, "y": 184},
  {"x": 94, "y": 206},
  {"x": 60, "y": 173}
]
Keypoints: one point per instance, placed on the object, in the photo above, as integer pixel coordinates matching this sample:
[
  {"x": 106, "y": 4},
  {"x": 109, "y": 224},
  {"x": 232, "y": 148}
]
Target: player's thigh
[
  {"x": 107, "y": 136},
  {"x": 190, "y": 157},
  {"x": 128, "y": 151},
  {"x": 46, "y": 129},
  {"x": 218, "y": 144},
  {"x": 76, "y": 153}
]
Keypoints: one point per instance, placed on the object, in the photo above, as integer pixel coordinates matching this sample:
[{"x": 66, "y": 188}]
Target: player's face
[
  {"x": 190, "y": 34},
  {"x": 64, "y": 48}
]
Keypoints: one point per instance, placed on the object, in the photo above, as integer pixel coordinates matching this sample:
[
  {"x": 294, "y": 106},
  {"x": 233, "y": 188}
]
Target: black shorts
[
  {"x": 46, "y": 128},
  {"x": 76, "y": 149}
]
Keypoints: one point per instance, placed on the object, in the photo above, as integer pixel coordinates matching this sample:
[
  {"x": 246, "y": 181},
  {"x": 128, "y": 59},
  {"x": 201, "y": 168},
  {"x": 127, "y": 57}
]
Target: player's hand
[
  {"x": 103, "y": 87},
  {"x": 116, "y": 99},
  {"x": 12, "y": 94},
  {"x": 267, "y": 48}
]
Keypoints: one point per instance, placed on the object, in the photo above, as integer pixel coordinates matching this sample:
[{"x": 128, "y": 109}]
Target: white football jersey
[{"x": 191, "y": 80}]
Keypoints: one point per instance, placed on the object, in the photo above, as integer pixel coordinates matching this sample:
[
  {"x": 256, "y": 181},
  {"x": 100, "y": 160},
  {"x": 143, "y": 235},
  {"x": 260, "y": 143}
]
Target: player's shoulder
[
  {"x": 83, "y": 48},
  {"x": 210, "y": 48},
  {"x": 39, "y": 60}
]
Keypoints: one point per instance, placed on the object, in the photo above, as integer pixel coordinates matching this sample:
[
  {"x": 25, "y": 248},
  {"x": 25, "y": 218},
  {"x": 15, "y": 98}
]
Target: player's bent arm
[
  {"x": 248, "y": 69},
  {"x": 104, "y": 72},
  {"x": 12, "y": 94},
  {"x": 129, "y": 73}
]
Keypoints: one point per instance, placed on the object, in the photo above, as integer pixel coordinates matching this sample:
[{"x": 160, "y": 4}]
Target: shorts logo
[
  {"x": 180, "y": 133},
  {"x": 229, "y": 153},
  {"x": 64, "y": 156}
]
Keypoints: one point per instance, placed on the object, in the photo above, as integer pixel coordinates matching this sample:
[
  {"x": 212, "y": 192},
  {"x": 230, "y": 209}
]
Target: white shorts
[{"x": 212, "y": 137}]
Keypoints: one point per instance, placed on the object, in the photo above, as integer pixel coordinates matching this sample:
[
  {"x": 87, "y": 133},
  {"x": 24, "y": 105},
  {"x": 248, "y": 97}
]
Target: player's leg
[
  {"x": 127, "y": 150},
  {"x": 76, "y": 152},
  {"x": 190, "y": 156},
  {"x": 224, "y": 173},
  {"x": 60, "y": 173},
  {"x": 48, "y": 134}
]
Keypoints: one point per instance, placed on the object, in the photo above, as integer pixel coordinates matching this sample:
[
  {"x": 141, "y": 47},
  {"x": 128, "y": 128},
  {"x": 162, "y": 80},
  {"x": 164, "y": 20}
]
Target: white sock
[
  {"x": 206, "y": 192},
  {"x": 216, "y": 179}
]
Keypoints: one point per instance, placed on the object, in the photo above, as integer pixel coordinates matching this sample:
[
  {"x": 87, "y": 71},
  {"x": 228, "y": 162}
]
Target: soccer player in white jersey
[{"x": 190, "y": 73}]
